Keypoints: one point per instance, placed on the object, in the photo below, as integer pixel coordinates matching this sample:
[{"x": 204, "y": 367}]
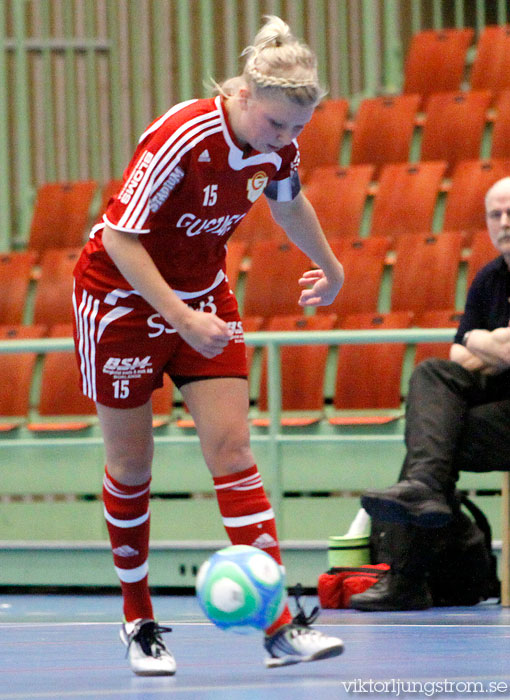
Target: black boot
[
  {"x": 394, "y": 592},
  {"x": 409, "y": 502}
]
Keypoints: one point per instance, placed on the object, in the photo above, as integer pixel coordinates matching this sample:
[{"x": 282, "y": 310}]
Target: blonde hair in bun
[{"x": 278, "y": 61}]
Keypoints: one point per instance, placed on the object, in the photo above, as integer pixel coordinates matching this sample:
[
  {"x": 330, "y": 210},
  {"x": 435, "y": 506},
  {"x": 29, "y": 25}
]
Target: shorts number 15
[{"x": 121, "y": 388}]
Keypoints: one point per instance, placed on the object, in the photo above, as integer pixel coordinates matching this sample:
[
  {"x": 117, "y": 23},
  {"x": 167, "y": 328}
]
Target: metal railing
[{"x": 274, "y": 436}]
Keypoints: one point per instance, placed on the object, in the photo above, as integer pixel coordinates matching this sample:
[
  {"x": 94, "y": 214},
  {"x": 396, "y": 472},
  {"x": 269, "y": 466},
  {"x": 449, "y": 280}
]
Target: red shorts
[{"x": 123, "y": 346}]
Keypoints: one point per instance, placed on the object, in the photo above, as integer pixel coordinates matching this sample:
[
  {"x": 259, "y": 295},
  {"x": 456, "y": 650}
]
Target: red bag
[{"x": 337, "y": 585}]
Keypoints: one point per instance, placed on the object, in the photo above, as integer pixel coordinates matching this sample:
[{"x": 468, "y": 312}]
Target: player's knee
[{"x": 229, "y": 454}]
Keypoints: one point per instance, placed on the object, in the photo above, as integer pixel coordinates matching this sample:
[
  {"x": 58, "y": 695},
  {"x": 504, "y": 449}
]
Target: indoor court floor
[{"x": 67, "y": 646}]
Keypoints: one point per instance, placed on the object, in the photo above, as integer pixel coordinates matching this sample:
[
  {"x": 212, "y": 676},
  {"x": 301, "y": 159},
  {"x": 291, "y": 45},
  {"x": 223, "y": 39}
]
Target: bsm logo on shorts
[{"x": 128, "y": 367}]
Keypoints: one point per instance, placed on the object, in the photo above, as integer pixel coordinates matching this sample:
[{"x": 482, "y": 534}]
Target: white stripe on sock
[
  {"x": 133, "y": 575},
  {"x": 243, "y": 520},
  {"x": 126, "y": 523}
]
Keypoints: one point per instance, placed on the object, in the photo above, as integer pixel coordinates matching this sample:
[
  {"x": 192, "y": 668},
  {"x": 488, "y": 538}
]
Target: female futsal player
[{"x": 158, "y": 261}]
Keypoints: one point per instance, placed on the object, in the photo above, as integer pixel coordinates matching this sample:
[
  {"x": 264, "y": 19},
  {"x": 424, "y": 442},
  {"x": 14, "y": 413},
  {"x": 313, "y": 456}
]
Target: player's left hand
[{"x": 322, "y": 290}]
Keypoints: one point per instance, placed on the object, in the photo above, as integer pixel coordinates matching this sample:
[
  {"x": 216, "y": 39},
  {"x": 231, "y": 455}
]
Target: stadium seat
[
  {"x": 162, "y": 403},
  {"x": 60, "y": 393},
  {"x": 363, "y": 261},
  {"x": 338, "y": 196},
  {"x": 429, "y": 52},
  {"x": 108, "y": 190},
  {"x": 465, "y": 209},
  {"x": 491, "y": 65},
  {"x": 454, "y": 125},
  {"x": 500, "y": 144},
  {"x": 482, "y": 252},
  {"x": 15, "y": 273},
  {"x": 272, "y": 287},
  {"x": 406, "y": 198},
  {"x": 425, "y": 272},
  {"x": 61, "y": 215},
  {"x": 17, "y": 370},
  {"x": 383, "y": 130},
  {"x": 445, "y": 318},
  {"x": 236, "y": 251},
  {"x": 368, "y": 376},
  {"x": 53, "y": 295},
  {"x": 302, "y": 370},
  {"x": 321, "y": 139},
  {"x": 259, "y": 225}
]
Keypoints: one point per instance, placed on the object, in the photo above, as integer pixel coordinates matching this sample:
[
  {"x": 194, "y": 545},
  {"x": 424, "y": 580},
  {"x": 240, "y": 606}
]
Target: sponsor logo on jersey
[
  {"x": 219, "y": 227},
  {"x": 128, "y": 367},
  {"x": 170, "y": 184},
  {"x": 256, "y": 185},
  {"x": 204, "y": 157},
  {"x": 129, "y": 188}
]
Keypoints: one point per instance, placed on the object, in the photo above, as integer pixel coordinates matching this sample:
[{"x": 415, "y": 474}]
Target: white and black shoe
[
  {"x": 297, "y": 642},
  {"x": 146, "y": 651}
]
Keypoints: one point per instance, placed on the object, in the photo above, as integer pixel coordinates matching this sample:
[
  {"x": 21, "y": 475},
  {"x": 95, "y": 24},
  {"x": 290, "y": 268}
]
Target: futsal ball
[{"x": 241, "y": 589}]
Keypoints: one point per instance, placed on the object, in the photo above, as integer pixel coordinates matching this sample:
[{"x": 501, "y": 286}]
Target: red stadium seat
[
  {"x": 259, "y": 225},
  {"x": 465, "y": 208},
  {"x": 15, "y": 274},
  {"x": 53, "y": 295},
  {"x": 454, "y": 125},
  {"x": 383, "y": 130},
  {"x": 369, "y": 375},
  {"x": 430, "y": 51},
  {"x": 61, "y": 215},
  {"x": 302, "y": 370},
  {"x": 60, "y": 393},
  {"x": 406, "y": 198},
  {"x": 236, "y": 251},
  {"x": 321, "y": 139},
  {"x": 17, "y": 371},
  {"x": 162, "y": 403},
  {"x": 363, "y": 260},
  {"x": 500, "y": 145},
  {"x": 272, "y": 287},
  {"x": 491, "y": 65},
  {"x": 108, "y": 190},
  {"x": 445, "y": 318},
  {"x": 482, "y": 252},
  {"x": 338, "y": 196},
  {"x": 425, "y": 272}
]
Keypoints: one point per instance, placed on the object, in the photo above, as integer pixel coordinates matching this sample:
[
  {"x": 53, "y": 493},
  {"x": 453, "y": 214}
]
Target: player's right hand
[{"x": 205, "y": 332}]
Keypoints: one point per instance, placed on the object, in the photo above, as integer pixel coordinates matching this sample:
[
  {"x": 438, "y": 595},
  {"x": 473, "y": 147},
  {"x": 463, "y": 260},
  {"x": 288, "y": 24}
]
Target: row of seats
[
  {"x": 424, "y": 273},
  {"x": 405, "y": 200},
  {"x": 431, "y": 51},
  {"x": 367, "y": 376},
  {"x": 382, "y": 134},
  {"x": 388, "y": 129},
  {"x": 42, "y": 295},
  {"x": 425, "y": 75}
]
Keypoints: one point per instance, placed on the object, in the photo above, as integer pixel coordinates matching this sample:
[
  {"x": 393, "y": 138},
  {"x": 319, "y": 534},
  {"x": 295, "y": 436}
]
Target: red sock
[
  {"x": 127, "y": 514},
  {"x": 249, "y": 519}
]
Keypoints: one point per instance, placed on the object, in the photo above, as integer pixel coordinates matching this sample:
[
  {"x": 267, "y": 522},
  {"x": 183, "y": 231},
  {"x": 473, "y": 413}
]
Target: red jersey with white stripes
[{"x": 188, "y": 186}]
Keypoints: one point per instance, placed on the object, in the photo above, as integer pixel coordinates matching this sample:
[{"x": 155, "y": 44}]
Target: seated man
[{"x": 457, "y": 418}]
